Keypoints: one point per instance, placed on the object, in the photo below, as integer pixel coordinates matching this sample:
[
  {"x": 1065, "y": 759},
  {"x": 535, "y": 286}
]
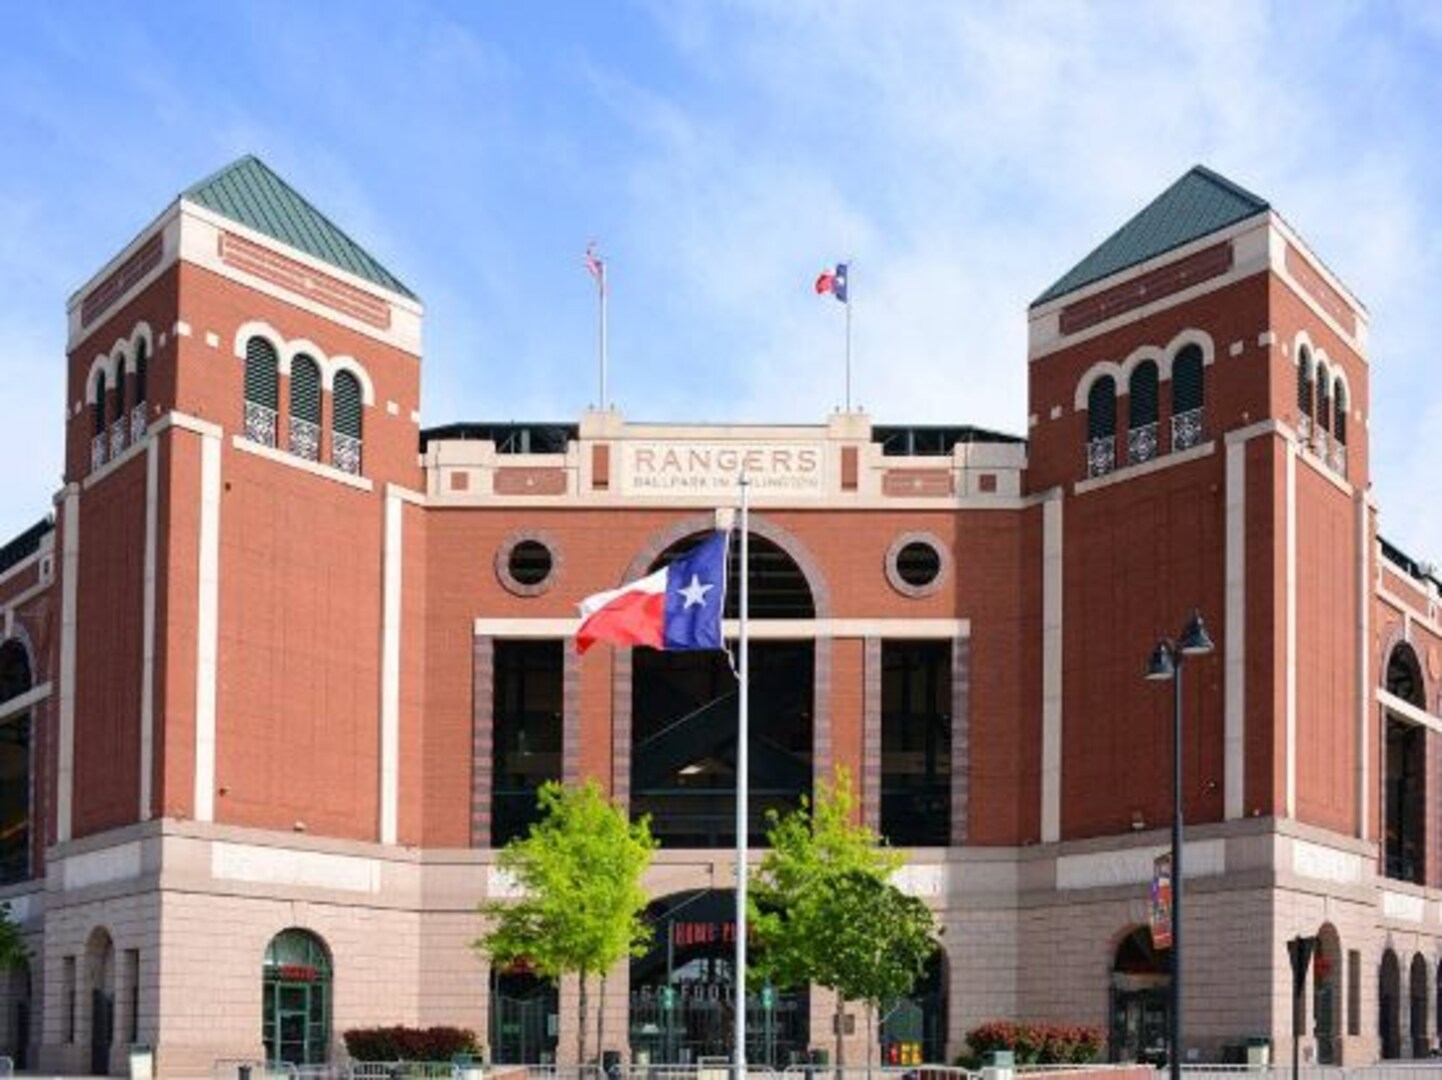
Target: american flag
[{"x": 596, "y": 265}]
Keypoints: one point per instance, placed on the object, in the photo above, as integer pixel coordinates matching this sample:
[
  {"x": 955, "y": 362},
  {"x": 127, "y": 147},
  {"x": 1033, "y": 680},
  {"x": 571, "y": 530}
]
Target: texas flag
[
  {"x": 678, "y": 607},
  {"x": 833, "y": 282}
]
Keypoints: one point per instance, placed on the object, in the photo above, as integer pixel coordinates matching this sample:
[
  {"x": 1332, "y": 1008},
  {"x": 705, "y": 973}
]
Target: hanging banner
[{"x": 1159, "y": 906}]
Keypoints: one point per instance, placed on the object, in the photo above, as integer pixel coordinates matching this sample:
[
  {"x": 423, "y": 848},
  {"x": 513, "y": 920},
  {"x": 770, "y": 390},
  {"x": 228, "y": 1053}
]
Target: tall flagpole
[
  {"x": 597, "y": 266},
  {"x": 848, "y": 335},
  {"x": 742, "y": 794}
]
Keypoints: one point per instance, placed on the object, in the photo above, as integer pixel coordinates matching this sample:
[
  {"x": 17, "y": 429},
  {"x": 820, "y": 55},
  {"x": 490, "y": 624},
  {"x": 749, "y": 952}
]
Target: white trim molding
[
  {"x": 207, "y": 628},
  {"x": 390, "y": 703},
  {"x": 1235, "y": 644},
  {"x": 70, "y": 563},
  {"x": 1364, "y": 676},
  {"x": 1053, "y": 553},
  {"x": 1290, "y": 785},
  {"x": 147, "y": 631}
]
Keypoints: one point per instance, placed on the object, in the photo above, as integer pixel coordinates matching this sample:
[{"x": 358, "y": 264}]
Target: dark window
[
  {"x": 1417, "y": 1010},
  {"x": 916, "y": 743},
  {"x": 1405, "y": 791},
  {"x": 16, "y": 777},
  {"x": 1188, "y": 380},
  {"x": 97, "y": 407},
  {"x": 530, "y": 562},
  {"x": 1354, "y": 991},
  {"x": 142, "y": 371},
  {"x": 918, "y": 563},
  {"x": 1102, "y": 409},
  {"x": 118, "y": 409},
  {"x": 1324, "y": 404},
  {"x": 1142, "y": 396},
  {"x": 1304, "y": 382},
  {"x": 1389, "y": 1006},
  {"x": 526, "y": 710},
  {"x": 1339, "y": 408},
  {"x": 261, "y": 381},
  {"x": 683, "y": 754}
]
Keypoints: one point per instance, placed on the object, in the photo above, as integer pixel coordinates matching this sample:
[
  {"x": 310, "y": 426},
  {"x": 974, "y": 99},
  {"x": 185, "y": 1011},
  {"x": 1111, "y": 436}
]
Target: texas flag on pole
[
  {"x": 833, "y": 282},
  {"x": 678, "y": 607}
]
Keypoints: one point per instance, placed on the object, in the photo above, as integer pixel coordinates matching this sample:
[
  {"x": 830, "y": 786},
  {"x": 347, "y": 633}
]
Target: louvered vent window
[
  {"x": 1188, "y": 398},
  {"x": 1142, "y": 413},
  {"x": 1102, "y": 427},
  {"x": 1324, "y": 404},
  {"x": 142, "y": 363},
  {"x": 305, "y": 408},
  {"x": 346, "y": 436},
  {"x": 119, "y": 402},
  {"x": 1304, "y": 383},
  {"x": 262, "y": 391},
  {"x": 97, "y": 409},
  {"x": 1339, "y": 406}
]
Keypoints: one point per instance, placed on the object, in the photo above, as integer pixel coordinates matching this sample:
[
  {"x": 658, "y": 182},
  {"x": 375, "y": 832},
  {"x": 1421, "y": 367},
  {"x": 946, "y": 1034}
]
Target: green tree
[
  {"x": 12, "y": 949},
  {"x": 824, "y": 909},
  {"x": 579, "y": 874}
]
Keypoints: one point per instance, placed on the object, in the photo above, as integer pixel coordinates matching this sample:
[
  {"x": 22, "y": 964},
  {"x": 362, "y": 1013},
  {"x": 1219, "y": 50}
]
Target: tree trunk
[
  {"x": 601, "y": 1021},
  {"x": 581, "y": 1034},
  {"x": 840, "y": 1025}
]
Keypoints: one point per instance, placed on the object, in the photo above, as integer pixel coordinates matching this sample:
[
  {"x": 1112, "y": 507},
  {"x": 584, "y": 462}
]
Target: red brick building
[{"x": 284, "y": 668}]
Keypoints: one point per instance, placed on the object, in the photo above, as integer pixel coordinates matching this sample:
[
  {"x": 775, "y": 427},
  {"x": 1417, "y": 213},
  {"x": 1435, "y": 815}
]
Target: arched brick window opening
[
  {"x": 1324, "y": 397},
  {"x": 1304, "y": 383},
  {"x": 140, "y": 389},
  {"x": 296, "y": 979},
  {"x": 304, "y": 437},
  {"x": 97, "y": 406},
  {"x": 1339, "y": 412},
  {"x": 16, "y": 773},
  {"x": 1101, "y": 426},
  {"x": 1142, "y": 413},
  {"x": 262, "y": 391},
  {"x": 1417, "y": 1010},
  {"x": 1405, "y": 770},
  {"x": 1188, "y": 398},
  {"x": 346, "y": 423}
]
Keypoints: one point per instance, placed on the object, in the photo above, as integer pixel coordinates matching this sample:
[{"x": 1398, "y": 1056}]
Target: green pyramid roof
[
  {"x": 1198, "y": 204},
  {"x": 248, "y": 192}
]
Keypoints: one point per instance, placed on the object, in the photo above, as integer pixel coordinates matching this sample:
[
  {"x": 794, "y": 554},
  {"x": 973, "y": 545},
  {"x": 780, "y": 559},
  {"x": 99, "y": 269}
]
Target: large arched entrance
[
  {"x": 1389, "y": 1005},
  {"x": 100, "y": 979},
  {"x": 16, "y": 679},
  {"x": 913, "y": 1028},
  {"x": 296, "y": 1001},
  {"x": 682, "y": 1007},
  {"x": 684, "y": 714},
  {"x": 1417, "y": 1007},
  {"x": 1141, "y": 983},
  {"x": 525, "y": 1017}
]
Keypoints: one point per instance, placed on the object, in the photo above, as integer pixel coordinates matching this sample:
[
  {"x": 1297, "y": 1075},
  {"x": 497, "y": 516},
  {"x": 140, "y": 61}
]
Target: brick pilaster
[
  {"x": 960, "y": 739},
  {"x": 483, "y": 655},
  {"x": 871, "y": 733},
  {"x": 621, "y": 682}
]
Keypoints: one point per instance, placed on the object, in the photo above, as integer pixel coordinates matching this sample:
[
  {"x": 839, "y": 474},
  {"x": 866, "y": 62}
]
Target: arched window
[
  {"x": 296, "y": 1003},
  {"x": 1389, "y": 1005},
  {"x": 1339, "y": 412},
  {"x": 97, "y": 422},
  {"x": 1188, "y": 398},
  {"x": 16, "y": 775},
  {"x": 305, "y": 408},
  {"x": 141, "y": 389},
  {"x": 1324, "y": 400},
  {"x": 346, "y": 423},
  {"x": 1304, "y": 388},
  {"x": 1142, "y": 413},
  {"x": 1417, "y": 1012},
  {"x": 1101, "y": 426},
  {"x": 1404, "y": 770},
  {"x": 262, "y": 391},
  {"x": 118, "y": 403}
]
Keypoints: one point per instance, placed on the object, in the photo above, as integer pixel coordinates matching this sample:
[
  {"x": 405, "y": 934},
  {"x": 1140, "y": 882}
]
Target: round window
[
  {"x": 526, "y": 565},
  {"x": 917, "y": 564}
]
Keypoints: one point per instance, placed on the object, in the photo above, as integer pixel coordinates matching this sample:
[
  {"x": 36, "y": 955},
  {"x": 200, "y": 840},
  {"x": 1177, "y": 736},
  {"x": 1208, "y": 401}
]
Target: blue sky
[{"x": 963, "y": 156}]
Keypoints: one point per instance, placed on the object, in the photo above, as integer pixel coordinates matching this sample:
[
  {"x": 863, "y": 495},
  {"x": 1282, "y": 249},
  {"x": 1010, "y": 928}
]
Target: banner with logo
[{"x": 1159, "y": 906}]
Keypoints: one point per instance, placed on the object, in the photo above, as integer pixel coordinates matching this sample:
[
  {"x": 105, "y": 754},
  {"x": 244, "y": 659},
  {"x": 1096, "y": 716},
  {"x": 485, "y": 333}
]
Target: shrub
[
  {"x": 410, "y": 1044},
  {"x": 1039, "y": 1044}
]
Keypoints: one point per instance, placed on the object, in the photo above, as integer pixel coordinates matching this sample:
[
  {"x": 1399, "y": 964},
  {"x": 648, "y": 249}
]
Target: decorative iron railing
[
  {"x": 1304, "y": 428},
  {"x": 1339, "y": 457},
  {"x": 97, "y": 451},
  {"x": 1142, "y": 443},
  {"x": 259, "y": 423},
  {"x": 345, "y": 453},
  {"x": 1187, "y": 428},
  {"x": 304, "y": 439},
  {"x": 137, "y": 421},
  {"x": 117, "y": 438},
  {"x": 1101, "y": 456}
]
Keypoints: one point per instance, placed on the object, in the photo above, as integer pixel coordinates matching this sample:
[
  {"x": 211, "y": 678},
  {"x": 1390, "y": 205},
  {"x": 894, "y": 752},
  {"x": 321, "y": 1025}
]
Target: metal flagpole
[
  {"x": 601, "y": 280},
  {"x": 848, "y": 335},
  {"x": 742, "y": 796}
]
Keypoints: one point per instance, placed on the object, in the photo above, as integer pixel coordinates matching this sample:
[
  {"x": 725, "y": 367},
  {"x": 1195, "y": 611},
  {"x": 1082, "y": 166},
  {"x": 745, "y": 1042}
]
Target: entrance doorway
[
  {"x": 913, "y": 1028},
  {"x": 100, "y": 972},
  {"x": 1141, "y": 984},
  {"x": 525, "y": 1014},
  {"x": 19, "y": 1046},
  {"x": 682, "y": 1003},
  {"x": 295, "y": 1002}
]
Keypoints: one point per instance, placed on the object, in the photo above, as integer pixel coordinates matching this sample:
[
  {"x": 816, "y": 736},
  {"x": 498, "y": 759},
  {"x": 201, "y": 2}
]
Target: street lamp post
[{"x": 1167, "y": 661}]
